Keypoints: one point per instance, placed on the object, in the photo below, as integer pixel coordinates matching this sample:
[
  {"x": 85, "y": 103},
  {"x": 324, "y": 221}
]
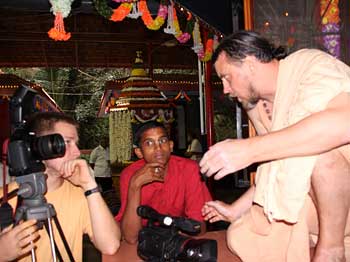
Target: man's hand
[
  {"x": 149, "y": 173},
  {"x": 17, "y": 241},
  {"x": 227, "y": 157},
  {"x": 79, "y": 173},
  {"x": 214, "y": 211}
]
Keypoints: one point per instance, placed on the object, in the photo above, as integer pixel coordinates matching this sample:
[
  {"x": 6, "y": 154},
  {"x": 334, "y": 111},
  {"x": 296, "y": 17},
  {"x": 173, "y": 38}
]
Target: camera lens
[{"x": 48, "y": 147}]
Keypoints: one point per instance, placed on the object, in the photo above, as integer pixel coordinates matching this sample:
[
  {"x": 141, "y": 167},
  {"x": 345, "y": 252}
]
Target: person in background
[
  {"x": 73, "y": 192},
  {"x": 290, "y": 101},
  {"x": 194, "y": 149},
  {"x": 170, "y": 184},
  {"x": 100, "y": 162}
]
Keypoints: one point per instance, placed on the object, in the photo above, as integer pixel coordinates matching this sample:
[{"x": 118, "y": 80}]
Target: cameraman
[
  {"x": 170, "y": 184},
  {"x": 68, "y": 177}
]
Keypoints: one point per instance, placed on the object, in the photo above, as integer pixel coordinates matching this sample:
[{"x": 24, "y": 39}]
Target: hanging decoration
[
  {"x": 182, "y": 95},
  {"x": 197, "y": 41},
  {"x": 330, "y": 26},
  {"x": 115, "y": 15},
  {"x": 121, "y": 12},
  {"x": 136, "y": 8},
  {"x": 135, "y": 13},
  {"x": 170, "y": 28},
  {"x": 61, "y": 9},
  {"x": 150, "y": 23},
  {"x": 183, "y": 37}
]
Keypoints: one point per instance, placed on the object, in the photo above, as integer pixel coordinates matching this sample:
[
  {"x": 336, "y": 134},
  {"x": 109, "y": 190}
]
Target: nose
[{"x": 228, "y": 90}]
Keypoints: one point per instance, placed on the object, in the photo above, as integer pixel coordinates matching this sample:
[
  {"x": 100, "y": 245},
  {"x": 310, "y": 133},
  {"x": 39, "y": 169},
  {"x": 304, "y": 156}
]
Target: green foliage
[{"x": 78, "y": 93}]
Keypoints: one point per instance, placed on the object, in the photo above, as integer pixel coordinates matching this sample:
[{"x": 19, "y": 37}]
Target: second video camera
[{"x": 161, "y": 241}]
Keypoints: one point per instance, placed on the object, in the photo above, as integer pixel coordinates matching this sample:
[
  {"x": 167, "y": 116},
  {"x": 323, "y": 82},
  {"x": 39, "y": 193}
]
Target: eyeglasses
[{"x": 152, "y": 143}]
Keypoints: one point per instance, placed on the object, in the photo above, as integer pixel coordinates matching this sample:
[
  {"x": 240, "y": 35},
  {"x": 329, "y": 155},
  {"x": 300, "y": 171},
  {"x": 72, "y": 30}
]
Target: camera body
[
  {"x": 161, "y": 239},
  {"x": 26, "y": 151}
]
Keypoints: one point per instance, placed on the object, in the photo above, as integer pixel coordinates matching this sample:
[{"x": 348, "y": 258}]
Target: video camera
[{"x": 161, "y": 241}]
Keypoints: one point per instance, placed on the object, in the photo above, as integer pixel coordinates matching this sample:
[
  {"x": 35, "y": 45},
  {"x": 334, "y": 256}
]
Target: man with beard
[
  {"x": 296, "y": 195},
  {"x": 170, "y": 184}
]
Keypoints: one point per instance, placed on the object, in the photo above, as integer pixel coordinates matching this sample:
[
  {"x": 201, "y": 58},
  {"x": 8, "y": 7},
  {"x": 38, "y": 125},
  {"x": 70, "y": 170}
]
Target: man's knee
[{"x": 332, "y": 163}]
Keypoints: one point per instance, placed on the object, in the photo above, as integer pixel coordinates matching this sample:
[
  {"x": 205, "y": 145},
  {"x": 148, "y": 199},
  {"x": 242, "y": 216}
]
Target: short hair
[
  {"x": 241, "y": 44},
  {"x": 41, "y": 122},
  {"x": 144, "y": 127}
]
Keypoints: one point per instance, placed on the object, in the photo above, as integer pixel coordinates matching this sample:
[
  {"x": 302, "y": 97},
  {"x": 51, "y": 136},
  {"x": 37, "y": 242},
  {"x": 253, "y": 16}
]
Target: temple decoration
[
  {"x": 61, "y": 9},
  {"x": 166, "y": 11},
  {"x": 139, "y": 101},
  {"x": 330, "y": 26}
]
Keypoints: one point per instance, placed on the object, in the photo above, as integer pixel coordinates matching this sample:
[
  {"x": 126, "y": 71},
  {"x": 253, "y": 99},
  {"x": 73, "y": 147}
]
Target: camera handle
[{"x": 33, "y": 205}]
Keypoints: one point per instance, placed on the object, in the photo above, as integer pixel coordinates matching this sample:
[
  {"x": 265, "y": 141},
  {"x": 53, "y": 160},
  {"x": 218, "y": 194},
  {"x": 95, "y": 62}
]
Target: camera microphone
[{"x": 185, "y": 224}]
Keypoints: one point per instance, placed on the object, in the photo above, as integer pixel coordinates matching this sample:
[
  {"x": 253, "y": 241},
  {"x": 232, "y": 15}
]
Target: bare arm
[
  {"x": 214, "y": 211},
  {"x": 106, "y": 232},
  {"x": 131, "y": 222},
  {"x": 315, "y": 134}
]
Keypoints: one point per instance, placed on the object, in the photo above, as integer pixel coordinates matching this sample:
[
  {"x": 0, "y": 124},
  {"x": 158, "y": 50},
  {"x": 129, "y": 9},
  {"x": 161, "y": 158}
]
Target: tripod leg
[
  {"x": 54, "y": 248},
  {"x": 64, "y": 240}
]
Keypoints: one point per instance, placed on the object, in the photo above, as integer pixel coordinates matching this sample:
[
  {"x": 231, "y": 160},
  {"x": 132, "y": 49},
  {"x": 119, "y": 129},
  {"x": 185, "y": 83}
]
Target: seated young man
[
  {"x": 73, "y": 192},
  {"x": 170, "y": 184}
]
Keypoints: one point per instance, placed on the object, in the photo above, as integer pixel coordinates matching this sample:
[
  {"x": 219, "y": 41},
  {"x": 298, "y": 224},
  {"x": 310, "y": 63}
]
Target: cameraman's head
[
  {"x": 152, "y": 143},
  {"x": 47, "y": 123}
]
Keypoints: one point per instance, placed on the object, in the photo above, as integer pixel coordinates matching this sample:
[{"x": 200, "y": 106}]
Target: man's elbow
[
  {"x": 111, "y": 248},
  {"x": 131, "y": 240}
]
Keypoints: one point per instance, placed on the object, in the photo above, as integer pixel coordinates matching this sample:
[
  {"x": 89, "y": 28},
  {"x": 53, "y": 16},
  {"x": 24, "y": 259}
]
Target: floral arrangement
[
  {"x": 61, "y": 9},
  {"x": 115, "y": 15},
  {"x": 330, "y": 26},
  {"x": 150, "y": 23},
  {"x": 121, "y": 12},
  {"x": 183, "y": 37}
]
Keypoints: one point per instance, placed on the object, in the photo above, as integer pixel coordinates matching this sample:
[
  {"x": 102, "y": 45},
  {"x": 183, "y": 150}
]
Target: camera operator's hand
[
  {"x": 214, "y": 211},
  {"x": 79, "y": 173},
  {"x": 149, "y": 173},
  {"x": 17, "y": 241}
]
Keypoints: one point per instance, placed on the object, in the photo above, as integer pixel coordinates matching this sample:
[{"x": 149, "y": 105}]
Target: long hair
[{"x": 241, "y": 44}]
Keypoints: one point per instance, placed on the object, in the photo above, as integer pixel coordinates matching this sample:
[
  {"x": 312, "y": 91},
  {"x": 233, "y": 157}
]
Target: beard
[{"x": 252, "y": 100}]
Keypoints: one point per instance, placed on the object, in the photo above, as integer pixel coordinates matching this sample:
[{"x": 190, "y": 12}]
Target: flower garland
[
  {"x": 150, "y": 23},
  {"x": 121, "y": 12},
  {"x": 209, "y": 47},
  {"x": 197, "y": 41},
  {"x": 115, "y": 15},
  {"x": 61, "y": 9},
  {"x": 183, "y": 37},
  {"x": 330, "y": 26}
]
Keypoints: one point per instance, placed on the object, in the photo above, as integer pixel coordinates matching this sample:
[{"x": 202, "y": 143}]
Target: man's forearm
[
  {"x": 315, "y": 134},
  {"x": 131, "y": 222},
  {"x": 106, "y": 232}
]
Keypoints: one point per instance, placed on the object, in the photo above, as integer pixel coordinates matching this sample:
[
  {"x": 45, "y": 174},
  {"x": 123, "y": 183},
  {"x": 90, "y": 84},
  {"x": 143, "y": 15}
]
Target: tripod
[{"x": 33, "y": 205}]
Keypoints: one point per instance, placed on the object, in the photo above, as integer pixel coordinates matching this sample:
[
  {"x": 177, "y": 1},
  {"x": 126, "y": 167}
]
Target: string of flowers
[
  {"x": 183, "y": 37},
  {"x": 115, "y": 15},
  {"x": 197, "y": 41},
  {"x": 150, "y": 23},
  {"x": 209, "y": 47},
  {"x": 330, "y": 26},
  {"x": 61, "y": 9}
]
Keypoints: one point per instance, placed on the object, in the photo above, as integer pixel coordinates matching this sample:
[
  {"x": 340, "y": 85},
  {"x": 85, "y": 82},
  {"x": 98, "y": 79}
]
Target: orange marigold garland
[
  {"x": 150, "y": 23},
  {"x": 121, "y": 12},
  {"x": 61, "y": 9}
]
